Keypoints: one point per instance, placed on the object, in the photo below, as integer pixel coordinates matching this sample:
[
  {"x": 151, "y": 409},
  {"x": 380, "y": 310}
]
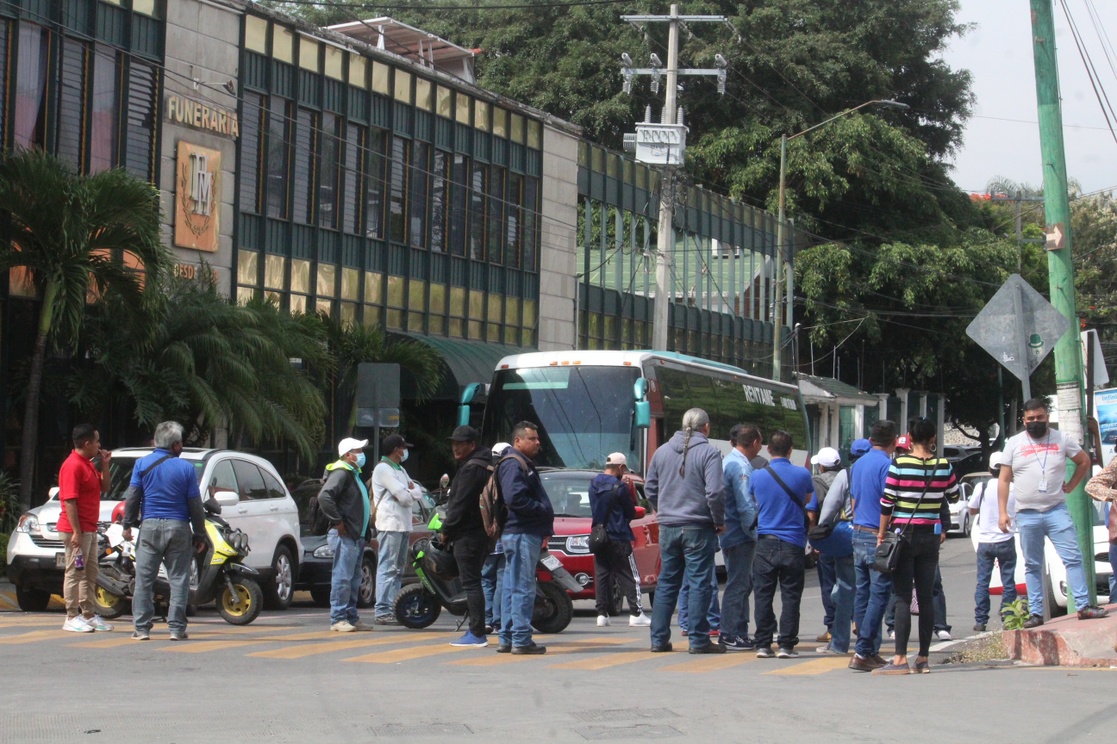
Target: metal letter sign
[
  {"x": 1018, "y": 327},
  {"x": 660, "y": 144}
]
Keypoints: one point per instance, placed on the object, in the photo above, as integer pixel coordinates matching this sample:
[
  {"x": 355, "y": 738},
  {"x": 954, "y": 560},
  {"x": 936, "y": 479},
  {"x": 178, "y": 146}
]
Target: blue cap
[{"x": 859, "y": 447}]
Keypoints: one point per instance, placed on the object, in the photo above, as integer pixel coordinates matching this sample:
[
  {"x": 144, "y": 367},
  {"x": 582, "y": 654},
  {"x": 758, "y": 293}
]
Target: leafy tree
[{"x": 69, "y": 234}]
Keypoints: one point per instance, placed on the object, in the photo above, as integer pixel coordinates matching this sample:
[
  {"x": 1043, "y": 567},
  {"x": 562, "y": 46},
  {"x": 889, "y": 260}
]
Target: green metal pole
[{"x": 1068, "y": 355}]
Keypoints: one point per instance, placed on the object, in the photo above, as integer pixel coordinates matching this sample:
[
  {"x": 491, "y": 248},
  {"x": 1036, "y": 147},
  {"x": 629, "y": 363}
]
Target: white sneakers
[
  {"x": 343, "y": 626},
  {"x": 944, "y": 635},
  {"x": 639, "y": 621},
  {"x": 603, "y": 621},
  {"x": 79, "y": 624}
]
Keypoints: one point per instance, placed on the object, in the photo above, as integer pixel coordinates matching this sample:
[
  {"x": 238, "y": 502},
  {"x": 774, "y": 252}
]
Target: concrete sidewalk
[{"x": 1066, "y": 641}]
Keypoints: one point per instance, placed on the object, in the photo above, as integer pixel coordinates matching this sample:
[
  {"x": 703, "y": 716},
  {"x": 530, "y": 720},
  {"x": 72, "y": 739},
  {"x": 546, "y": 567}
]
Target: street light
[{"x": 778, "y": 292}]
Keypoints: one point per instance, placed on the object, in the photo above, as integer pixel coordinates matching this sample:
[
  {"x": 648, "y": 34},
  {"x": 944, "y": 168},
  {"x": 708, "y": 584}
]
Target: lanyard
[{"x": 1046, "y": 452}]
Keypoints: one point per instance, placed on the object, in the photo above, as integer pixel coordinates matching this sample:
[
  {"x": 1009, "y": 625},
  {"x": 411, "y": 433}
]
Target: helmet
[
  {"x": 438, "y": 560},
  {"x": 118, "y": 512}
]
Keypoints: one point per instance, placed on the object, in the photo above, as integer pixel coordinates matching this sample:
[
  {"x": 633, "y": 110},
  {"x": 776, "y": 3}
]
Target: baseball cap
[
  {"x": 392, "y": 442},
  {"x": 903, "y": 442},
  {"x": 827, "y": 457},
  {"x": 349, "y": 444},
  {"x": 617, "y": 458},
  {"x": 465, "y": 434},
  {"x": 996, "y": 460},
  {"x": 860, "y": 447},
  {"x": 500, "y": 447}
]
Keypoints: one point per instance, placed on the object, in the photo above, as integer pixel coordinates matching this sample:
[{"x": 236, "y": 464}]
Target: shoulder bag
[
  {"x": 790, "y": 494},
  {"x": 888, "y": 552}
]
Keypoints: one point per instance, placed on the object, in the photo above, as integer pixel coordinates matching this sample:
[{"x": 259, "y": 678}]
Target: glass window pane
[
  {"x": 534, "y": 135},
  {"x": 500, "y": 122},
  {"x": 495, "y": 226},
  {"x": 245, "y": 294},
  {"x": 438, "y": 202},
  {"x": 278, "y": 158},
  {"x": 403, "y": 86},
  {"x": 328, "y": 171},
  {"x": 457, "y": 301},
  {"x": 393, "y": 319},
  {"x": 256, "y": 34},
  {"x": 348, "y": 314},
  {"x": 481, "y": 115},
  {"x": 373, "y": 289},
  {"x": 350, "y": 284},
  {"x": 300, "y": 275},
  {"x": 459, "y": 201},
  {"x": 71, "y": 94},
  {"x": 462, "y": 109},
  {"x": 334, "y": 57},
  {"x": 444, "y": 105},
  {"x": 374, "y": 183},
  {"x": 324, "y": 307},
  {"x": 305, "y": 136},
  {"x": 476, "y": 304},
  {"x": 248, "y": 264},
  {"x": 104, "y": 127},
  {"x": 298, "y": 303},
  {"x": 474, "y": 328},
  {"x": 398, "y": 189},
  {"x": 437, "y": 300},
  {"x": 250, "y": 136},
  {"x": 308, "y": 54},
  {"x": 395, "y": 291},
  {"x": 381, "y": 78},
  {"x": 424, "y": 94},
  {"x": 495, "y": 309},
  {"x": 327, "y": 280},
  {"x": 477, "y": 212},
  {"x": 416, "y": 295},
  {"x": 350, "y": 179},
  {"x": 358, "y": 70},
  {"x": 283, "y": 44},
  {"x": 516, "y": 129},
  {"x": 529, "y": 313},
  {"x": 31, "y": 84},
  {"x": 275, "y": 271},
  {"x": 456, "y": 329},
  {"x": 417, "y": 227}
]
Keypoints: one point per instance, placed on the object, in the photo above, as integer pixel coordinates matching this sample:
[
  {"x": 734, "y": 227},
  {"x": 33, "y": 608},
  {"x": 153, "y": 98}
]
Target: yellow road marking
[
  {"x": 201, "y": 647},
  {"x": 311, "y": 649},
  {"x": 571, "y": 647},
  {"x": 815, "y": 666},
  {"x": 407, "y": 654},
  {"x": 23, "y": 620},
  {"x": 605, "y": 661},
  {"x": 712, "y": 663},
  {"x": 35, "y": 635},
  {"x": 121, "y": 639}
]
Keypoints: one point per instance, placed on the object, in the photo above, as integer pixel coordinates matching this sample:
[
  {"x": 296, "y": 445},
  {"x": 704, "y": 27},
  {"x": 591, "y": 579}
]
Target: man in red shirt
[{"x": 79, "y": 490}]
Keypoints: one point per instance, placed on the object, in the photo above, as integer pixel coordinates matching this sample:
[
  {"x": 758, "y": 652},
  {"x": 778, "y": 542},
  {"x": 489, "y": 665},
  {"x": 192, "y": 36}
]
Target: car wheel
[
  {"x": 282, "y": 586},
  {"x": 1049, "y": 600},
  {"x": 32, "y": 600},
  {"x": 320, "y": 595},
  {"x": 967, "y": 524},
  {"x": 366, "y": 593}
]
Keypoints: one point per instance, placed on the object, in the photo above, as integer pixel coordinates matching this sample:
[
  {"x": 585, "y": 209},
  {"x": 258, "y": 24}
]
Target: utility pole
[
  {"x": 1068, "y": 357},
  {"x": 665, "y": 243}
]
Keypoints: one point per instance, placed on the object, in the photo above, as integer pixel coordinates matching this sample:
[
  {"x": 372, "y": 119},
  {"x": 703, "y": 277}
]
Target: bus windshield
[{"x": 584, "y": 413}]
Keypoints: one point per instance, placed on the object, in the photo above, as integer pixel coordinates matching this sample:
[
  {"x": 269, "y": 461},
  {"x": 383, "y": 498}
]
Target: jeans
[
  {"x": 1003, "y": 554},
  {"x": 492, "y": 582},
  {"x": 79, "y": 584},
  {"x": 826, "y": 579},
  {"x": 713, "y": 615},
  {"x": 470, "y": 552},
  {"x": 615, "y": 566},
  {"x": 1113, "y": 576},
  {"x": 345, "y": 578},
  {"x": 873, "y": 592},
  {"x": 517, "y": 599},
  {"x": 919, "y": 561},
  {"x": 389, "y": 569},
  {"x": 167, "y": 541},
  {"x": 841, "y": 597},
  {"x": 1057, "y": 525},
  {"x": 783, "y": 563},
  {"x": 738, "y": 586},
  {"x": 686, "y": 553}
]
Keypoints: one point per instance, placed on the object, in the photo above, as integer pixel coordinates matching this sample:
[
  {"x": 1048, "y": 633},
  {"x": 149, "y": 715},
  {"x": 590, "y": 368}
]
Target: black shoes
[
  {"x": 1033, "y": 622},
  {"x": 1092, "y": 612},
  {"x": 502, "y": 649},
  {"x": 662, "y": 649},
  {"x": 713, "y": 648},
  {"x": 532, "y": 649}
]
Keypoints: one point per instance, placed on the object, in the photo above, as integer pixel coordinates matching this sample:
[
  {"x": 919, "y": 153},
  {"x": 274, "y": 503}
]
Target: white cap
[
  {"x": 617, "y": 458},
  {"x": 500, "y": 447},
  {"x": 349, "y": 444},
  {"x": 828, "y": 457},
  {"x": 996, "y": 460}
]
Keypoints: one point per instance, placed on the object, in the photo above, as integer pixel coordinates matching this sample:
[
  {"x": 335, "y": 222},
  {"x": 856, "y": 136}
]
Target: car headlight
[
  {"x": 578, "y": 544},
  {"x": 324, "y": 552},
  {"x": 28, "y": 523}
]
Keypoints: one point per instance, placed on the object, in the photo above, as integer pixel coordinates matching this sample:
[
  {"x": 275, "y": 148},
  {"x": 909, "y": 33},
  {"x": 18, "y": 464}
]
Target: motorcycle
[
  {"x": 219, "y": 575},
  {"x": 419, "y": 605}
]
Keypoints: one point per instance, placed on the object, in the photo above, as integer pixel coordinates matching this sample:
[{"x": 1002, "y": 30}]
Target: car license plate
[
  {"x": 552, "y": 562},
  {"x": 60, "y": 561}
]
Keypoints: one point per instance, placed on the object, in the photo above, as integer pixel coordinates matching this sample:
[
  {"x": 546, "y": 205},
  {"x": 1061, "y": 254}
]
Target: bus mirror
[
  {"x": 468, "y": 393},
  {"x": 640, "y": 389},
  {"x": 463, "y": 415},
  {"x": 643, "y": 414}
]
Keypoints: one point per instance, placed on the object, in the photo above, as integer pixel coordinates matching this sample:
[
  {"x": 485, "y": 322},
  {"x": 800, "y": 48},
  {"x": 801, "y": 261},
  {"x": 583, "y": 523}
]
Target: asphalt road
[{"x": 286, "y": 678}]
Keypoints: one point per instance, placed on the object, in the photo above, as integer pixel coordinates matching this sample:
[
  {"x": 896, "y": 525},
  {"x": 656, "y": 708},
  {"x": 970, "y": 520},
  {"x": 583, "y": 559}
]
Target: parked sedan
[{"x": 569, "y": 494}]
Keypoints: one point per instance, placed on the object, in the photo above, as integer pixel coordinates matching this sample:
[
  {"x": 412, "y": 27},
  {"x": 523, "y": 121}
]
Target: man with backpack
[
  {"x": 530, "y": 521},
  {"x": 613, "y": 504},
  {"x": 464, "y": 530},
  {"x": 343, "y": 501}
]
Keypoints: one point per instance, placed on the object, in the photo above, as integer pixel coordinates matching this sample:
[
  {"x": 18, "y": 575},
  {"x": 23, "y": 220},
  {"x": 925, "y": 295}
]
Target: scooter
[
  {"x": 419, "y": 605},
  {"x": 219, "y": 575}
]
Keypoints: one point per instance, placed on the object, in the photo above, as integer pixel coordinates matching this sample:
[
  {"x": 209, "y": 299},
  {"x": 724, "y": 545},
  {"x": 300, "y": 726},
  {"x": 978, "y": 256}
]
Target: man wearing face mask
[
  {"x": 1034, "y": 463},
  {"x": 393, "y": 493},
  {"x": 343, "y": 500}
]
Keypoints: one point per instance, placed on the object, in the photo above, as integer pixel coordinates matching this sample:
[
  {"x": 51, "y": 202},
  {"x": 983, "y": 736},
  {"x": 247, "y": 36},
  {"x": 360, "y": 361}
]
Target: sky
[{"x": 1002, "y": 137}]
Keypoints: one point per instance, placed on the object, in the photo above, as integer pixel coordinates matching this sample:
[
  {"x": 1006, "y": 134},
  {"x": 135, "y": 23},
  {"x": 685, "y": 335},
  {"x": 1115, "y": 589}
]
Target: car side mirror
[
  {"x": 226, "y": 498},
  {"x": 641, "y": 512}
]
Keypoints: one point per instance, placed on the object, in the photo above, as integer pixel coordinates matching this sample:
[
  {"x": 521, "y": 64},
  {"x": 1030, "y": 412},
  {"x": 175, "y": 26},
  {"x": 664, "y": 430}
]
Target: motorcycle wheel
[
  {"x": 244, "y": 606},
  {"x": 415, "y": 607},
  {"x": 108, "y": 605},
  {"x": 553, "y": 608}
]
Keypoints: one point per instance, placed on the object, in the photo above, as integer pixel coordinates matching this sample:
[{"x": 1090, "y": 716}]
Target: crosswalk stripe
[
  {"x": 406, "y": 654},
  {"x": 815, "y": 666},
  {"x": 122, "y": 639},
  {"x": 34, "y": 635},
  {"x": 311, "y": 649},
  {"x": 569, "y": 647},
  {"x": 201, "y": 647},
  {"x": 606, "y": 661},
  {"x": 712, "y": 663}
]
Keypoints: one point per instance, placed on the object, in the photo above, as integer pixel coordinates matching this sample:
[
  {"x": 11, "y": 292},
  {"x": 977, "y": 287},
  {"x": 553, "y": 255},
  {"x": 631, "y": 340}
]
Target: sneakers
[
  {"x": 764, "y": 652},
  {"x": 470, "y": 640},
  {"x": 179, "y": 635},
  {"x": 827, "y": 650},
  {"x": 715, "y": 633},
  {"x": 892, "y": 668},
  {"x": 77, "y": 624},
  {"x": 979, "y": 627},
  {"x": 639, "y": 621},
  {"x": 98, "y": 623},
  {"x": 737, "y": 644},
  {"x": 362, "y": 626},
  {"x": 489, "y": 629},
  {"x": 891, "y": 634},
  {"x": 712, "y": 648},
  {"x": 944, "y": 635},
  {"x": 1092, "y": 612},
  {"x": 141, "y": 635},
  {"x": 386, "y": 620},
  {"x": 532, "y": 649},
  {"x": 603, "y": 621},
  {"x": 823, "y": 637},
  {"x": 343, "y": 626},
  {"x": 787, "y": 653},
  {"x": 1033, "y": 622}
]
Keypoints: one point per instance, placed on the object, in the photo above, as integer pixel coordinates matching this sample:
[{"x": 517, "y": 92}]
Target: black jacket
[
  {"x": 341, "y": 500},
  {"x": 463, "y": 501}
]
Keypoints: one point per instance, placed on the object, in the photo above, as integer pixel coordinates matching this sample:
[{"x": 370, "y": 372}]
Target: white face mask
[{"x": 404, "y": 457}]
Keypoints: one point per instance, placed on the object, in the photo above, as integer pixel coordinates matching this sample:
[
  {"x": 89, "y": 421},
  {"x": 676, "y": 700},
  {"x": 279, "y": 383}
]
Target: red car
[{"x": 569, "y": 494}]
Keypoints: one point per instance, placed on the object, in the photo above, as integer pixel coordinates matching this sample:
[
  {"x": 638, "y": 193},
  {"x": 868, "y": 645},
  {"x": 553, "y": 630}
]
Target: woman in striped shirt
[{"x": 915, "y": 501}]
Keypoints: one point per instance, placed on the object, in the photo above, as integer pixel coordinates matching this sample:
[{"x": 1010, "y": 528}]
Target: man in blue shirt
[
  {"x": 867, "y": 478},
  {"x": 165, "y": 489},
  {"x": 782, "y": 491},
  {"x": 738, "y": 542}
]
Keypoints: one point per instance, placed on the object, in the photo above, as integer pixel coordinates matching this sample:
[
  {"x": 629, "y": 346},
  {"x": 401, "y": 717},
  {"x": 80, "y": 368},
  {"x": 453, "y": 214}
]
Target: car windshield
[
  {"x": 569, "y": 492},
  {"x": 121, "y": 474}
]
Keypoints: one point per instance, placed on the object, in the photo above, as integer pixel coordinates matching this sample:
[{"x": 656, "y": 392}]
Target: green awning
[{"x": 465, "y": 362}]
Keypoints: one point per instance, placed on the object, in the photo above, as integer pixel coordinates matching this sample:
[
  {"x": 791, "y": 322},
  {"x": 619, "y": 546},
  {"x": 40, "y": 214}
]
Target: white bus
[{"x": 590, "y": 403}]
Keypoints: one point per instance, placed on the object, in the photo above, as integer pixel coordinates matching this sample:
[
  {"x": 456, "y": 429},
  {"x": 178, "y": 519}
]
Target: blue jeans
[
  {"x": 492, "y": 581},
  {"x": 389, "y": 569},
  {"x": 713, "y": 615},
  {"x": 1004, "y": 554},
  {"x": 738, "y": 586},
  {"x": 685, "y": 553},
  {"x": 345, "y": 578},
  {"x": 841, "y": 598},
  {"x": 517, "y": 599},
  {"x": 1056, "y": 525},
  {"x": 873, "y": 592},
  {"x": 167, "y": 541},
  {"x": 778, "y": 563},
  {"x": 826, "y": 579}
]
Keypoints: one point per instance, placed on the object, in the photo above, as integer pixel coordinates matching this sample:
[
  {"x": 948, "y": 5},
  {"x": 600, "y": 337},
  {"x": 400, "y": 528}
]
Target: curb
[{"x": 1066, "y": 641}]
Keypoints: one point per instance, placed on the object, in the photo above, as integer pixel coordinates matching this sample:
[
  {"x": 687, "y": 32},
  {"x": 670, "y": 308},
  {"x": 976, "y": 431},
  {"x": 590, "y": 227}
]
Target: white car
[
  {"x": 263, "y": 509},
  {"x": 961, "y": 522}
]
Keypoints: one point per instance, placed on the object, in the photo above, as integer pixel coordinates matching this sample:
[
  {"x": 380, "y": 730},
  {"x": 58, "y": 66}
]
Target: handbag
[
  {"x": 887, "y": 556},
  {"x": 598, "y": 539}
]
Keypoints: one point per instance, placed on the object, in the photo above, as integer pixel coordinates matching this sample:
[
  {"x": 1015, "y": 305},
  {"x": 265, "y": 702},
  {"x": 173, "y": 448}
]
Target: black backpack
[{"x": 316, "y": 520}]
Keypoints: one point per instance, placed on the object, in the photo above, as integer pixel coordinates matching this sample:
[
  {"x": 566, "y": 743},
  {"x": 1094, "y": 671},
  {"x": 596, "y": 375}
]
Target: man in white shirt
[
  {"x": 993, "y": 546},
  {"x": 393, "y": 493}
]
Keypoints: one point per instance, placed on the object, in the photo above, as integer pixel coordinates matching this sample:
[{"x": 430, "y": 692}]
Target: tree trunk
[{"x": 34, "y": 388}]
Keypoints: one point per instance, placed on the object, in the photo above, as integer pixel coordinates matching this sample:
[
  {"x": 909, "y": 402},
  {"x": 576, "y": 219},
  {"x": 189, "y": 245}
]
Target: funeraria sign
[
  {"x": 197, "y": 197},
  {"x": 187, "y": 111}
]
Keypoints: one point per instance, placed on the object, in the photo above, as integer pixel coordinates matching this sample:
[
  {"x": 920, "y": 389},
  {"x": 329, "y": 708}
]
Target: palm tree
[{"x": 70, "y": 234}]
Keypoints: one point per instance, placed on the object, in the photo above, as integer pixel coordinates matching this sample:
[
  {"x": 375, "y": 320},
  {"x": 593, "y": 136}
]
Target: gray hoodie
[{"x": 697, "y": 497}]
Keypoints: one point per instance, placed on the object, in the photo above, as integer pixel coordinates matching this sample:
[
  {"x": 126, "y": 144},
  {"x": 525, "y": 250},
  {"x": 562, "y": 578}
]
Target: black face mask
[{"x": 1036, "y": 428}]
